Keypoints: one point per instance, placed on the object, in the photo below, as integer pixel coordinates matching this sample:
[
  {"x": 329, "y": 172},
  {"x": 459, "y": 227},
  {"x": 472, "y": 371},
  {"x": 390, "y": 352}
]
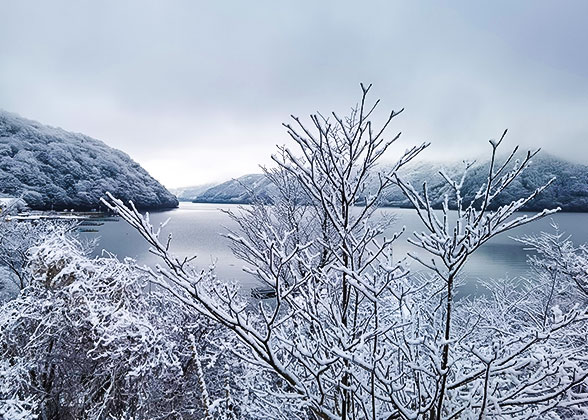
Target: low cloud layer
[{"x": 197, "y": 91}]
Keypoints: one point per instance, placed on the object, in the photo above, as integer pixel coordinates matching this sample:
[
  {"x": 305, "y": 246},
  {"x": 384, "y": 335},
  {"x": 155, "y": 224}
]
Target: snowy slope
[
  {"x": 190, "y": 193},
  {"x": 55, "y": 169},
  {"x": 238, "y": 190},
  {"x": 569, "y": 191}
]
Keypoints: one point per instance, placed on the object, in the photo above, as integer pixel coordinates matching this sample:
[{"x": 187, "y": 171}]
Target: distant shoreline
[
  {"x": 398, "y": 206},
  {"x": 96, "y": 210}
]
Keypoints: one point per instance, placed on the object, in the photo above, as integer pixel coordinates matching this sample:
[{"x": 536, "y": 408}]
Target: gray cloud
[{"x": 196, "y": 91}]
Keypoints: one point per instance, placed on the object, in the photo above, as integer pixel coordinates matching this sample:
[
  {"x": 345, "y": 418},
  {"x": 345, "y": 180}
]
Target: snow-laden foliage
[
  {"x": 556, "y": 255},
  {"x": 55, "y": 169},
  {"x": 88, "y": 339},
  {"x": 352, "y": 333},
  {"x": 16, "y": 238}
]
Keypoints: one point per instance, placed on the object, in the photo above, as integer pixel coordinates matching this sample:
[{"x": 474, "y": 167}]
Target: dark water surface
[{"x": 197, "y": 229}]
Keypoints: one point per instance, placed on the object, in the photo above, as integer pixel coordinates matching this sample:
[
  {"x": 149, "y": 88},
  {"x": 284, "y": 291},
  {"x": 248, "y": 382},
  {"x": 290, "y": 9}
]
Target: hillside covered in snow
[
  {"x": 55, "y": 169},
  {"x": 238, "y": 191},
  {"x": 569, "y": 191},
  {"x": 190, "y": 193}
]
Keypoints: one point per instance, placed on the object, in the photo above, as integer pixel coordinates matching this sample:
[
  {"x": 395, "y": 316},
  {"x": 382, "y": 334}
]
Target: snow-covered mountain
[
  {"x": 55, "y": 169},
  {"x": 238, "y": 191},
  {"x": 569, "y": 191},
  {"x": 190, "y": 193}
]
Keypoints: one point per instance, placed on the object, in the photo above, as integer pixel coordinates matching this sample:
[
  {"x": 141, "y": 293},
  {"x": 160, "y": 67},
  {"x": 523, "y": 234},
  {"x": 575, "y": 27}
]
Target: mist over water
[{"x": 197, "y": 230}]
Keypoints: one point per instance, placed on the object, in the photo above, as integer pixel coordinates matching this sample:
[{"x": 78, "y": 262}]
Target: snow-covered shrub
[
  {"x": 16, "y": 238},
  {"x": 87, "y": 340}
]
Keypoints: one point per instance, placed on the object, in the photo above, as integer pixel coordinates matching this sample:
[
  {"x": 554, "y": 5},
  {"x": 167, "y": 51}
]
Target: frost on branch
[
  {"x": 318, "y": 344},
  {"x": 352, "y": 333},
  {"x": 482, "y": 349}
]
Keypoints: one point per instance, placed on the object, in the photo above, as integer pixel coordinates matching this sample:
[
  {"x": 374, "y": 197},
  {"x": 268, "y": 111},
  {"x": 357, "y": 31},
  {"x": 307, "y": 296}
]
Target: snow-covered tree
[
  {"x": 488, "y": 356},
  {"x": 352, "y": 333},
  {"x": 319, "y": 259}
]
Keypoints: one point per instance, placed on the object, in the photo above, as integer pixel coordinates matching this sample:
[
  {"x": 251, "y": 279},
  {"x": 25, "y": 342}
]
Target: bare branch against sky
[{"x": 196, "y": 91}]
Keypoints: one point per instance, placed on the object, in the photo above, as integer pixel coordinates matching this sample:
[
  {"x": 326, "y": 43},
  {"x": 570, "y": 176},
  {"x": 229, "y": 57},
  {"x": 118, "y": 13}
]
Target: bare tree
[
  {"x": 352, "y": 334},
  {"x": 325, "y": 284}
]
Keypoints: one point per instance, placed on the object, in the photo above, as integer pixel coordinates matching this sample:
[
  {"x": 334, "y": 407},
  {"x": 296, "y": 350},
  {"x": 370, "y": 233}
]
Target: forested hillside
[
  {"x": 55, "y": 169},
  {"x": 569, "y": 190}
]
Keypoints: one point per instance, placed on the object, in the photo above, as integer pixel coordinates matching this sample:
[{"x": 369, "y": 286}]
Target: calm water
[{"x": 197, "y": 231}]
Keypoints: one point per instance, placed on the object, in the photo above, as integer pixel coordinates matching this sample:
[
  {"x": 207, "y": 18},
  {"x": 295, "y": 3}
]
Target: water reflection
[{"x": 197, "y": 229}]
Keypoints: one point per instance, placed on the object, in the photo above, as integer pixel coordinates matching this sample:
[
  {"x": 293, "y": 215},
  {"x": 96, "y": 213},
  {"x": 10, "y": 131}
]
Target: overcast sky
[{"x": 197, "y": 91}]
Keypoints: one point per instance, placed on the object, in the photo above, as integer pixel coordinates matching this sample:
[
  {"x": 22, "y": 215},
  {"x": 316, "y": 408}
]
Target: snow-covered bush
[
  {"x": 352, "y": 332},
  {"x": 16, "y": 238},
  {"x": 87, "y": 340}
]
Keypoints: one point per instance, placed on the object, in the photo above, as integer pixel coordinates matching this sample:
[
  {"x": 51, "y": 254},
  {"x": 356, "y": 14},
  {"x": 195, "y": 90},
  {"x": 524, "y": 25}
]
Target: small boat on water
[{"x": 263, "y": 293}]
